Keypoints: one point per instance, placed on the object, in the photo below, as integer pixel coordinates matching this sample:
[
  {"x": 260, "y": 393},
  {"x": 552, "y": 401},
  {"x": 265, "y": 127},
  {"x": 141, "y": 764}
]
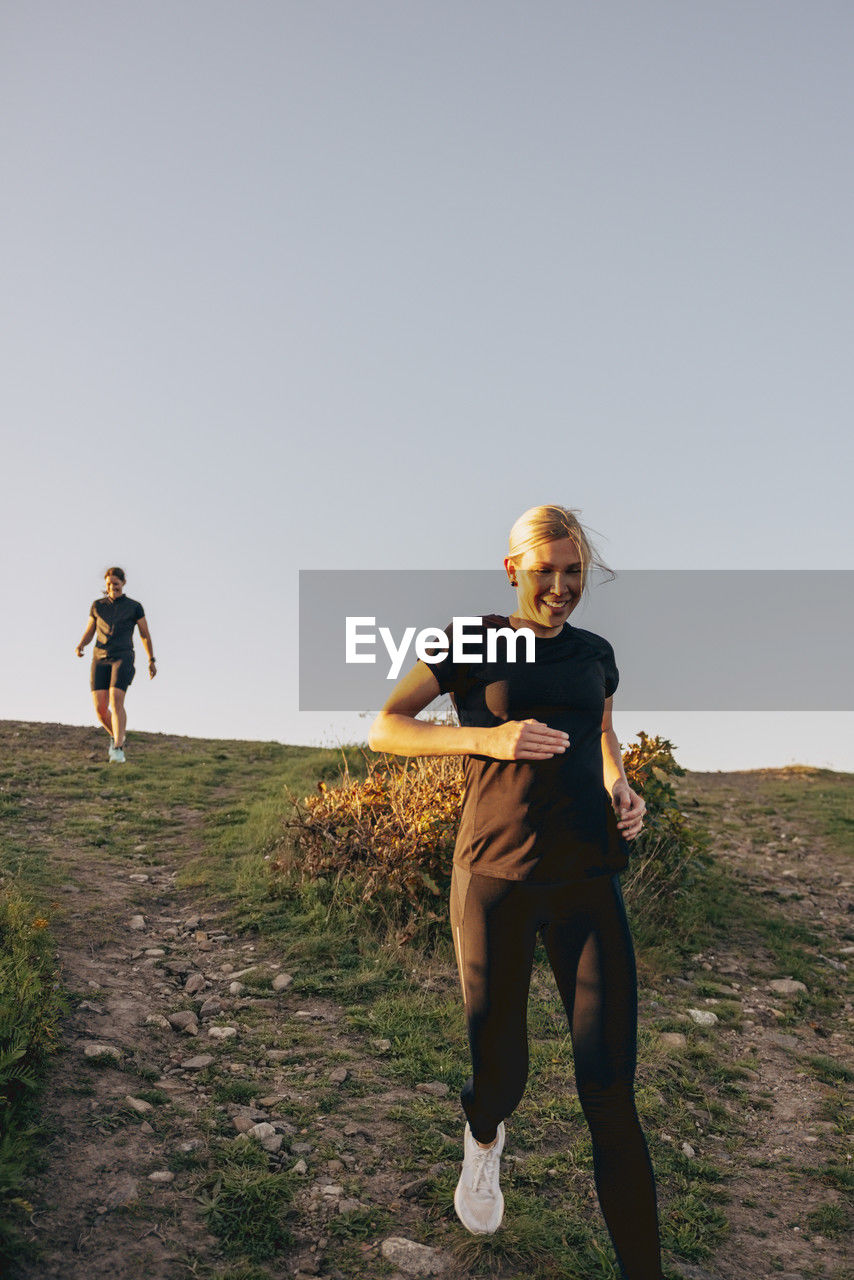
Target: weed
[
  {"x": 829, "y": 1220},
  {"x": 249, "y": 1210}
]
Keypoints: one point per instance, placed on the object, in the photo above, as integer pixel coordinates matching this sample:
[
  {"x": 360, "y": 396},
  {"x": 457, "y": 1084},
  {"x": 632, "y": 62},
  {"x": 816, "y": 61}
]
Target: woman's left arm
[
  {"x": 147, "y": 644},
  {"x": 628, "y": 805}
]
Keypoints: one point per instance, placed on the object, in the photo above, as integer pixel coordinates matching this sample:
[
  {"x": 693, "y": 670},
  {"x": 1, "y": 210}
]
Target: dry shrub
[
  {"x": 385, "y": 842},
  {"x": 386, "y": 839},
  {"x": 665, "y": 856}
]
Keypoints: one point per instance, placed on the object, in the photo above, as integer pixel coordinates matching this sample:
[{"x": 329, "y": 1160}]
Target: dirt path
[
  {"x": 787, "y": 1133},
  {"x": 122, "y": 1191}
]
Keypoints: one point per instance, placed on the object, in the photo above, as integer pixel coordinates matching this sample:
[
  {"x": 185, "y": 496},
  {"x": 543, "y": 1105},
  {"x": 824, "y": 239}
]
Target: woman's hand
[
  {"x": 629, "y": 808},
  {"x": 524, "y": 740}
]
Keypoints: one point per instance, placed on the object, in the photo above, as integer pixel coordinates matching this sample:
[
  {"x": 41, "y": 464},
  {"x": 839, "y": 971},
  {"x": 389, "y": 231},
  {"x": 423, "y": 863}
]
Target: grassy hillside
[{"x": 350, "y": 1044}]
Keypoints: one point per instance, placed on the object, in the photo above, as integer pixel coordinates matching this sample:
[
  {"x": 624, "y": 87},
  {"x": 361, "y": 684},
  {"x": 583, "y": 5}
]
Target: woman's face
[
  {"x": 113, "y": 586},
  {"x": 548, "y": 584}
]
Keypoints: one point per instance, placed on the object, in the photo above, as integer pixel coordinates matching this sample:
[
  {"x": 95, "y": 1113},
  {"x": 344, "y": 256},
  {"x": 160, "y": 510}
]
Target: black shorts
[{"x": 111, "y": 673}]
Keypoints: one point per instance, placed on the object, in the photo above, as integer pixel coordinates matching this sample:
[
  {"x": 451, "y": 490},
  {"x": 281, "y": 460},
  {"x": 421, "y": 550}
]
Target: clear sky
[{"x": 352, "y": 283}]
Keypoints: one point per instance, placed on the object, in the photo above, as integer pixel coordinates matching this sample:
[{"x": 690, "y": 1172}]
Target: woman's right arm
[
  {"x": 87, "y": 636},
  {"x": 397, "y": 731}
]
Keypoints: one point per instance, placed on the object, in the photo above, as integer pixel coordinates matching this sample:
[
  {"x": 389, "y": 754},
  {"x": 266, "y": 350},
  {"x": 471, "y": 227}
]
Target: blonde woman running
[
  {"x": 112, "y": 620},
  {"x": 546, "y": 816}
]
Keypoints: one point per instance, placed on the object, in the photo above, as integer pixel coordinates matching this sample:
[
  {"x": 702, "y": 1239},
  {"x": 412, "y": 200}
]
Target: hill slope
[{"x": 152, "y": 875}]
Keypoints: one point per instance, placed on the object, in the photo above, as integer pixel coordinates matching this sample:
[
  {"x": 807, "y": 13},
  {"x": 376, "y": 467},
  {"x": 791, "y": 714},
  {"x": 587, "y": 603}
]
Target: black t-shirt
[
  {"x": 549, "y": 821},
  {"x": 114, "y": 623}
]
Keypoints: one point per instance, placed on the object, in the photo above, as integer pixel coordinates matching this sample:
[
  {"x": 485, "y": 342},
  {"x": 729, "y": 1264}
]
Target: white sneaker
[
  {"x": 117, "y": 755},
  {"x": 478, "y": 1199}
]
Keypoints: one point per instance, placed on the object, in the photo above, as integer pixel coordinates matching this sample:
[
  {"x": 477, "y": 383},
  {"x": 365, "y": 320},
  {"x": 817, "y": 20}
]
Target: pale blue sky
[{"x": 340, "y": 284}]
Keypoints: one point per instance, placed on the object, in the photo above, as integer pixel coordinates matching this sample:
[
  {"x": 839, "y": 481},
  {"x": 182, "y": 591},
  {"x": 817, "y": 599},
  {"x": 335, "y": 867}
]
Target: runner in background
[{"x": 112, "y": 620}]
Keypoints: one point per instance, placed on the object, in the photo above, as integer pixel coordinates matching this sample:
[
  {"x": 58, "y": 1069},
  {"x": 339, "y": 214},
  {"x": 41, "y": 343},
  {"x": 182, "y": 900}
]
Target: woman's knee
[{"x": 608, "y": 1105}]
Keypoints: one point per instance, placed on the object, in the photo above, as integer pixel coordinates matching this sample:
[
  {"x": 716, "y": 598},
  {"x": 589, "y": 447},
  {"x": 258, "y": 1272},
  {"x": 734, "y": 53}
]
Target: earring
[{"x": 513, "y": 582}]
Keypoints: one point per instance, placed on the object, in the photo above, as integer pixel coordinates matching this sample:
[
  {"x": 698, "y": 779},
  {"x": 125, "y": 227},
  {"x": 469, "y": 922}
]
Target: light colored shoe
[
  {"x": 117, "y": 755},
  {"x": 111, "y": 754},
  {"x": 478, "y": 1199}
]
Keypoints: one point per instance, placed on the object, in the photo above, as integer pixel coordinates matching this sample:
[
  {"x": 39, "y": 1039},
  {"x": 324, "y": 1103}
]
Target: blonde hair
[{"x": 550, "y": 523}]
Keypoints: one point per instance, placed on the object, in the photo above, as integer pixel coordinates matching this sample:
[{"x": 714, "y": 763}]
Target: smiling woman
[
  {"x": 547, "y": 814},
  {"x": 113, "y": 619}
]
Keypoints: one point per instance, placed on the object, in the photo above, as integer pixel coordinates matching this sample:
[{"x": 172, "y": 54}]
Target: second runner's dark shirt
[
  {"x": 114, "y": 623},
  {"x": 549, "y": 821}
]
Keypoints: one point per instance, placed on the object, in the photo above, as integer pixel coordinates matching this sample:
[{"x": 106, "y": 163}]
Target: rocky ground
[{"x": 171, "y": 1012}]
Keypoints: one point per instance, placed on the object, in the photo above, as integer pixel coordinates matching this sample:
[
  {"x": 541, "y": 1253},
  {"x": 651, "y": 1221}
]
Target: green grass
[
  {"x": 30, "y": 1008},
  {"x": 248, "y": 1207}
]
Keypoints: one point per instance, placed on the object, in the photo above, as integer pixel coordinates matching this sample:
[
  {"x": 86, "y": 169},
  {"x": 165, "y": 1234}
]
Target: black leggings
[{"x": 587, "y": 939}]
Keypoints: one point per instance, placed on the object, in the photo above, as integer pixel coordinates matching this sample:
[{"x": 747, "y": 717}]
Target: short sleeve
[
  {"x": 93, "y": 610},
  {"x": 609, "y": 667},
  {"x": 138, "y": 612}
]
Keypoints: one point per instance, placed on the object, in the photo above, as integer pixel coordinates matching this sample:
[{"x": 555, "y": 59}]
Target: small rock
[
  {"x": 703, "y": 1017},
  {"x": 94, "y": 1050},
  {"x": 156, "y": 1020},
  {"x": 348, "y": 1206},
  {"x": 354, "y": 1130},
  {"x": 184, "y": 1020},
  {"x": 338, "y": 1075},
  {"x": 277, "y": 1055},
  {"x": 123, "y": 1193},
  {"x": 139, "y": 1105},
  {"x": 210, "y": 1008},
  {"x": 273, "y": 1144},
  {"x": 783, "y": 1040},
  {"x": 786, "y": 986},
  {"x": 222, "y": 1033},
  {"x": 412, "y": 1258},
  {"x": 92, "y": 1008},
  {"x": 192, "y": 922},
  {"x": 197, "y": 1064},
  {"x": 410, "y": 1190},
  {"x": 688, "y": 1150},
  {"x": 162, "y": 1175},
  {"x": 673, "y": 1039},
  {"x": 139, "y": 877},
  {"x": 154, "y": 952},
  {"x": 236, "y": 988},
  {"x": 300, "y": 1167},
  {"x": 281, "y": 981},
  {"x": 333, "y": 1190},
  {"x": 194, "y": 983},
  {"x": 136, "y": 922},
  {"x": 382, "y": 1046},
  {"x": 261, "y": 1131},
  {"x": 437, "y": 1088}
]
